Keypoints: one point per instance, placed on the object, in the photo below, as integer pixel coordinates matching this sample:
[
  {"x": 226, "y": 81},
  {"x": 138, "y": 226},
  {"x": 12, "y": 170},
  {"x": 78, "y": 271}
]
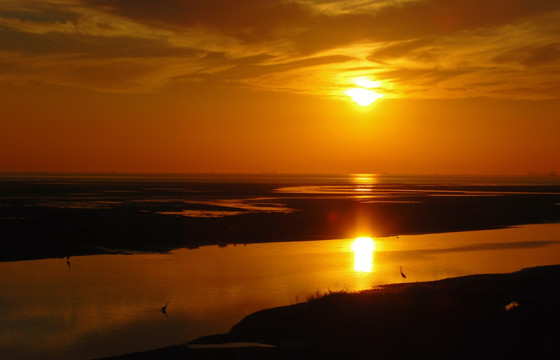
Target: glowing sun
[{"x": 362, "y": 97}]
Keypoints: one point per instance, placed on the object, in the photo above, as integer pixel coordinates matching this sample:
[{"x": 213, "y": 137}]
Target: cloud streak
[{"x": 415, "y": 48}]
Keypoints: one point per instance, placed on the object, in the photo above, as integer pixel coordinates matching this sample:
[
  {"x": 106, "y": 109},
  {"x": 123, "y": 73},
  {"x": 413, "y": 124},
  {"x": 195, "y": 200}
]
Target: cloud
[
  {"x": 416, "y": 48},
  {"x": 532, "y": 55}
]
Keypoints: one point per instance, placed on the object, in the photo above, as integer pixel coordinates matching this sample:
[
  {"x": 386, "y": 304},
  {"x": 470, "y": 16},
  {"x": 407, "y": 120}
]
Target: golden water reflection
[
  {"x": 363, "y": 248},
  {"x": 110, "y": 304},
  {"x": 364, "y": 182}
]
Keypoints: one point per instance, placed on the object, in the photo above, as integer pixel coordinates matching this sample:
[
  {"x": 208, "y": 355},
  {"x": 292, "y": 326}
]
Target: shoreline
[
  {"x": 43, "y": 221},
  {"x": 476, "y": 316},
  {"x": 38, "y": 251}
]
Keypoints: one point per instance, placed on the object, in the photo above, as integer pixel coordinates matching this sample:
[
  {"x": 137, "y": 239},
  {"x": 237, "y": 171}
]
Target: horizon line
[{"x": 551, "y": 173}]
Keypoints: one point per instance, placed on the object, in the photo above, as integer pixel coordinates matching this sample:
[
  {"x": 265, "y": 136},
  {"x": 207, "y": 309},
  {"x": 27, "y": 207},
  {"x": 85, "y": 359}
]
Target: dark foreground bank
[{"x": 474, "y": 317}]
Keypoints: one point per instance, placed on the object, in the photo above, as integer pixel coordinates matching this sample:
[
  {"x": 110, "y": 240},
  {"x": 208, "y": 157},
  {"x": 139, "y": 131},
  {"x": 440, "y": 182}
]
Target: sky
[{"x": 235, "y": 86}]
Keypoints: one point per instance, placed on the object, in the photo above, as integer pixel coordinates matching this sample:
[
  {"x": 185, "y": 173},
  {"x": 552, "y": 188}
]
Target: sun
[{"x": 362, "y": 96}]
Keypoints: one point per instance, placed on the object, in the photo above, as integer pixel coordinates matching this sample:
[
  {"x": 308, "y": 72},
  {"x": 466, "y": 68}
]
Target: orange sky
[{"x": 467, "y": 86}]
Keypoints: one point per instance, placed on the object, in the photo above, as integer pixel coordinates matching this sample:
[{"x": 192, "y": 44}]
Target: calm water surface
[{"x": 105, "y": 305}]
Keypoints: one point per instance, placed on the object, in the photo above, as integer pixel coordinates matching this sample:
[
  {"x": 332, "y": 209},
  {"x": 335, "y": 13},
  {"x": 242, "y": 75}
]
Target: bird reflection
[
  {"x": 68, "y": 263},
  {"x": 164, "y": 310}
]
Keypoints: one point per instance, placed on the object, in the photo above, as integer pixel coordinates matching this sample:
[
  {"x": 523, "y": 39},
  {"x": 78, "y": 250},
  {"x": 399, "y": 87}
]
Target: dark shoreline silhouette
[
  {"x": 493, "y": 316},
  {"x": 50, "y": 219}
]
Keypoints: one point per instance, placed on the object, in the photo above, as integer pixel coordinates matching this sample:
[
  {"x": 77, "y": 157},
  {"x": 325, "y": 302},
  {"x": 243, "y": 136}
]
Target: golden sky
[{"x": 465, "y": 86}]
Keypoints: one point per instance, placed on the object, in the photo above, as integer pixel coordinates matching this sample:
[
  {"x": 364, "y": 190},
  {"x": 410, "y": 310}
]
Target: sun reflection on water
[
  {"x": 363, "y": 248},
  {"x": 364, "y": 182}
]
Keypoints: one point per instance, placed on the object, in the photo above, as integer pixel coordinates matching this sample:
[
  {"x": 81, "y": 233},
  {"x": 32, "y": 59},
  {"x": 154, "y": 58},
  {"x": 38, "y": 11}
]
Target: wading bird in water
[
  {"x": 164, "y": 309},
  {"x": 402, "y": 274}
]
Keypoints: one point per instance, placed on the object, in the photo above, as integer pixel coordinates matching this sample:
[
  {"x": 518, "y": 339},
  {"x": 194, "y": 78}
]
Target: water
[
  {"x": 101, "y": 305},
  {"x": 110, "y": 304}
]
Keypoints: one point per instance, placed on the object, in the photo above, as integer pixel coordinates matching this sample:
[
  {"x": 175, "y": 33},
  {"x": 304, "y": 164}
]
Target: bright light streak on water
[{"x": 363, "y": 248}]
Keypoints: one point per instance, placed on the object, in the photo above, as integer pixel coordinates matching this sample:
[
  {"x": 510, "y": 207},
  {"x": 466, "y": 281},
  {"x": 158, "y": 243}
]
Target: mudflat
[{"x": 69, "y": 217}]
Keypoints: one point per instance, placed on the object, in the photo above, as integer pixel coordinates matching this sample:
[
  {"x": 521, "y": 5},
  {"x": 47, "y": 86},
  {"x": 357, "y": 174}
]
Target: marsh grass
[{"x": 317, "y": 295}]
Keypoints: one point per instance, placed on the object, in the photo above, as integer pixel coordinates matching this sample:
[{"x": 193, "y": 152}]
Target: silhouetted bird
[
  {"x": 402, "y": 274},
  {"x": 164, "y": 309}
]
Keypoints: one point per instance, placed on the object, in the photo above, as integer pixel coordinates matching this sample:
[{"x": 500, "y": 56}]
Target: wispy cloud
[{"x": 415, "y": 48}]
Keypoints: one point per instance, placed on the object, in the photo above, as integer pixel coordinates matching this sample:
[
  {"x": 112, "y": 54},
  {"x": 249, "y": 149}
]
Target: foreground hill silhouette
[{"x": 494, "y": 316}]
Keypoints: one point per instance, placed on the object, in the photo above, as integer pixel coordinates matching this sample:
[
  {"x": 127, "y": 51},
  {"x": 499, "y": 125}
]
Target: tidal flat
[{"x": 50, "y": 217}]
